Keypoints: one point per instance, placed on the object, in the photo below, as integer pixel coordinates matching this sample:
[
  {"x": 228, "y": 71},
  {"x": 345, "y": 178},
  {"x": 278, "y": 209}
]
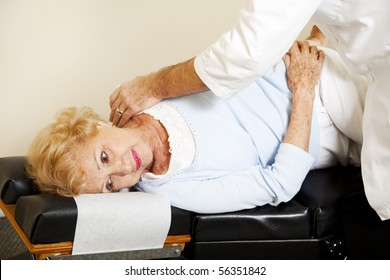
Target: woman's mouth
[{"x": 137, "y": 159}]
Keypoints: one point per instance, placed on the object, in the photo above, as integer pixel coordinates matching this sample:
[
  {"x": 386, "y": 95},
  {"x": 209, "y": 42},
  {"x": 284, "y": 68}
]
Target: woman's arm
[
  {"x": 245, "y": 189},
  {"x": 304, "y": 64}
]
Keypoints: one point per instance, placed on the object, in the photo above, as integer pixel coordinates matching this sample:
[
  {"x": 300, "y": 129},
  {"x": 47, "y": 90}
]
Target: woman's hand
[{"x": 304, "y": 64}]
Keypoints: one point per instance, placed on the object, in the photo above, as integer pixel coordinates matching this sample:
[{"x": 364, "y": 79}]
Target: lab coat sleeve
[
  {"x": 255, "y": 186},
  {"x": 263, "y": 34}
]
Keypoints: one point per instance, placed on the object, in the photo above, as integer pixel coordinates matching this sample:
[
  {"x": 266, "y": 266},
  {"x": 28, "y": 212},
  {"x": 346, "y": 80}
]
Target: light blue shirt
[{"x": 240, "y": 160}]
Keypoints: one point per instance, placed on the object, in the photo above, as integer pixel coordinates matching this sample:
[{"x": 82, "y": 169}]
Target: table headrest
[
  {"x": 47, "y": 218},
  {"x": 50, "y": 218},
  {"x": 13, "y": 180}
]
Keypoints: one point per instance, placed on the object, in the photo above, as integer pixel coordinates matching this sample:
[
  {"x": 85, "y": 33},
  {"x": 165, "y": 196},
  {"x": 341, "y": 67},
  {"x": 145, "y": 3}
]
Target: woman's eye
[
  {"x": 104, "y": 157},
  {"x": 109, "y": 185}
]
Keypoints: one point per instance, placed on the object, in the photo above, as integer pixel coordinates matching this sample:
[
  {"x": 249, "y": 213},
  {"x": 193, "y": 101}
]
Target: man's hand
[
  {"x": 132, "y": 97},
  {"x": 143, "y": 92}
]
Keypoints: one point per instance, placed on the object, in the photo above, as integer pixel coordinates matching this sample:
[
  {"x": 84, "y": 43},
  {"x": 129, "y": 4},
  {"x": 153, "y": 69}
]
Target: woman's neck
[{"x": 157, "y": 137}]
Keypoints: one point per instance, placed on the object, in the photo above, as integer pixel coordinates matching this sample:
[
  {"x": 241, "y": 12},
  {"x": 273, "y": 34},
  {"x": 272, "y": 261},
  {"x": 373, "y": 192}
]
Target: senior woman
[{"x": 205, "y": 154}]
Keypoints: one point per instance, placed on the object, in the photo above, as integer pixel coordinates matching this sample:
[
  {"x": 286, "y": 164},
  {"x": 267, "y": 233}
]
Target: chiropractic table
[{"x": 329, "y": 218}]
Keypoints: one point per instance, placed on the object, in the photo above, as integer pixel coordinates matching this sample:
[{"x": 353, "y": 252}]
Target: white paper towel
[{"x": 113, "y": 222}]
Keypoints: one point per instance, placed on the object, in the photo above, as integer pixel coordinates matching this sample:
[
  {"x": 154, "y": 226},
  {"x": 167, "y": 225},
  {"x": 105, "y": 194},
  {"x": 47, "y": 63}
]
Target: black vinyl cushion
[
  {"x": 312, "y": 213},
  {"x": 49, "y": 218},
  {"x": 325, "y": 187},
  {"x": 287, "y": 221},
  {"x": 323, "y": 190},
  {"x": 13, "y": 180}
]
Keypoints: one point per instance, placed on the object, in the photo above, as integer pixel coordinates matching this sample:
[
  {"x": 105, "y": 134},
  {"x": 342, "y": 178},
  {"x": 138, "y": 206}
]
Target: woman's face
[{"x": 114, "y": 159}]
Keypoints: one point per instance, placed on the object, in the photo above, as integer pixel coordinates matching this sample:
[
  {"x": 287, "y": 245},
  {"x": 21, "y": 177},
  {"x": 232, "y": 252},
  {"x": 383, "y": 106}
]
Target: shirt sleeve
[
  {"x": 255, "y": 186},
  {"x": 263, "y": 34}
]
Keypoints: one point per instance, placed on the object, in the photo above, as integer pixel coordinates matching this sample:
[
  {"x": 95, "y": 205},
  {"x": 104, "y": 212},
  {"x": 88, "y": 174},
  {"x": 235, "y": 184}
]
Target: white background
[{"x": 60, "y": 53}]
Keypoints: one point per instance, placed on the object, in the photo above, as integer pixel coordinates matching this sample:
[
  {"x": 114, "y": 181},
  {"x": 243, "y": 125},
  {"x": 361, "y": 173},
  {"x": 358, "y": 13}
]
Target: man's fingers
[
  {"x": 114, "y": 96},
  {"x": 113, "y": 103},
  {"x": 124, "y": 118},
  {"x": 116, "y": 118},
  {"x": 112, "y": 115},
  {"x": 115, "y": 109}
]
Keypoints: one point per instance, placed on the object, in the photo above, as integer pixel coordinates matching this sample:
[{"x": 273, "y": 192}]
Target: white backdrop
[{"x": 59, "y": 53}]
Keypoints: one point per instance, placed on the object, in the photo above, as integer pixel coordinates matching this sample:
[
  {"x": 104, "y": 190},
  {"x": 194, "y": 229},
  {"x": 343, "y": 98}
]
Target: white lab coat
[{"x": 359, "y": 31}]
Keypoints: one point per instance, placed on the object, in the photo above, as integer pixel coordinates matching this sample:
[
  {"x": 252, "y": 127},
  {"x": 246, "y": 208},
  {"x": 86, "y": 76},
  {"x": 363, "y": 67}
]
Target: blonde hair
[{"x": 52, "y": 159}]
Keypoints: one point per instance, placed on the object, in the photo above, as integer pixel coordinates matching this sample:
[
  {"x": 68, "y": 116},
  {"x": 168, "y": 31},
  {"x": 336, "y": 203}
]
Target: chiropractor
[{"x": 263, "y": 34}]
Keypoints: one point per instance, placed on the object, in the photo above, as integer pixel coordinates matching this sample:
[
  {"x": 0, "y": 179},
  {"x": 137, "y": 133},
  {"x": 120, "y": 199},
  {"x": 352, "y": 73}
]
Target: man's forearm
[{"x": 178, "y": 80}]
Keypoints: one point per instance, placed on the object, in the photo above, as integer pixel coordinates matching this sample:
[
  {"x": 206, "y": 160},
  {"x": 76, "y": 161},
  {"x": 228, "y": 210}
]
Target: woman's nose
[{"x": 123, "y": 167}]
